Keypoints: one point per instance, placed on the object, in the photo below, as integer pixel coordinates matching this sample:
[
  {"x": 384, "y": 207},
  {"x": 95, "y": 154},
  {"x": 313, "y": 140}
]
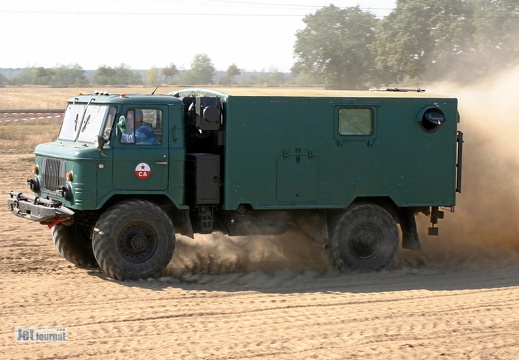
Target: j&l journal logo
[{"x": 40, "y": 334}]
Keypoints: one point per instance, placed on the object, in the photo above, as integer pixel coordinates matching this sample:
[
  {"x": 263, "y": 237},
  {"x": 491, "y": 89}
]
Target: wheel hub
[
  {"x": 365, "y": 243},
  {"x": 138, "y": 242}
]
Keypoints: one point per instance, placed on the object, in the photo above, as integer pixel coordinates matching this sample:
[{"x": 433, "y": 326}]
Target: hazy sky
[{"x": 254, "y": 35}]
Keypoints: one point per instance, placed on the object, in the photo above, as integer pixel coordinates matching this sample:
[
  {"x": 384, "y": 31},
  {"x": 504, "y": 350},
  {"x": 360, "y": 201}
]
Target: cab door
[{"x": 142, "y": 165}]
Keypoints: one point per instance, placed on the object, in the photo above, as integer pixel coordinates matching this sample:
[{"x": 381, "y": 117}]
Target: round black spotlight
[
  {"x": 34, "y": 184},
  {"x": 66, "y": 192},
  {"x": 431, "y": 118}
]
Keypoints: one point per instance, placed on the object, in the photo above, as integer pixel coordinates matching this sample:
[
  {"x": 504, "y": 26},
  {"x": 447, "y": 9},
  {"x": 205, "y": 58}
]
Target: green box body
[{"x": 287, "y": 152}]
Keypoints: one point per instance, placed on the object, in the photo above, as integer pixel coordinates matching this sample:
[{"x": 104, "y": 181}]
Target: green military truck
[{"x": 349, "y": 169}]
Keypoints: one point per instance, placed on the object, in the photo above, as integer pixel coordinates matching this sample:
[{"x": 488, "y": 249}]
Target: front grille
[{"x": 52, "y": 174}]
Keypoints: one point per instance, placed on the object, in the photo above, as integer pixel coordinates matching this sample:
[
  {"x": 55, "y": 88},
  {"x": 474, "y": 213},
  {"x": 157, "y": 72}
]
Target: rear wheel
[
  {"x": 133, "y": 239},
  {"x": 365, "y": 238},
  {"x": 74, "y": 244}
]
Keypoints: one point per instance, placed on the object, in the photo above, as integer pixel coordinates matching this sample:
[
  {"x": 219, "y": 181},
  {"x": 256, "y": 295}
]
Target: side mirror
[{"x": 100, "y": 142}]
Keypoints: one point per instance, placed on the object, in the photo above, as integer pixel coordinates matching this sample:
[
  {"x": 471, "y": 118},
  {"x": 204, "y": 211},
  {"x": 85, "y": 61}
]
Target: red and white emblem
[{"x": 143, "y": 171}]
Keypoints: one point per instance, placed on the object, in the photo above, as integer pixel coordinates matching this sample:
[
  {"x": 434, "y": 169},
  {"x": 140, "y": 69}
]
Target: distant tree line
[
  {"x": 202, "y": 72},
  {"x": 348, "y": 48}
]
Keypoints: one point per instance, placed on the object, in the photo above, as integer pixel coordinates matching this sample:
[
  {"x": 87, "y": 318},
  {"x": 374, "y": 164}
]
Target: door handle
[{"x": 161, "y": 163}]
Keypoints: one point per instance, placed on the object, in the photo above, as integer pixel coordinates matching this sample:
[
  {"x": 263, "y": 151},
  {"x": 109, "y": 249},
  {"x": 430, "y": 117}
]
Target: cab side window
[{"x": 143, "y": 127}]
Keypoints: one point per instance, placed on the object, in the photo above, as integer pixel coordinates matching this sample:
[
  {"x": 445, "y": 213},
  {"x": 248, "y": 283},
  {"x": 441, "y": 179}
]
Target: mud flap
[{"x": 410, "y": 239}]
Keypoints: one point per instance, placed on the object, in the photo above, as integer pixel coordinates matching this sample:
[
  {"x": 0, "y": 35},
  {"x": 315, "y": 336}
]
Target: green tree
[
  {"x": 275, "y": 78},
  {"x": 104, "y": 75},
  {"x": 43, "y": 76},
  {"x": 496, "y": 36},
  {"x": 65, "y": 75},
  {"x": 120, "y": 75},
  {"x": 304, "y": 79},
  {"x": 230, "y": 75},
  {"x": 424, "y": 36},
  {"x": 34, "y": 76},
  {"x": 152, "y": 76},
  {"x": 258, "y": 79},
  {"x": 336, "y": 45},
  {"x": 170, "y": 72},
  {"x": 202, "y": 71},
  {"x": 24, "y": 77}
]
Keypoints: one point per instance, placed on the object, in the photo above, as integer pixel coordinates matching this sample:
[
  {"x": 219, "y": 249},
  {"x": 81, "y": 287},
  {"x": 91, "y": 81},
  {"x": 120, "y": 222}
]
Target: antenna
[
  {"x": 160, "y": 84},
  {"x": 397, "y": 89}
]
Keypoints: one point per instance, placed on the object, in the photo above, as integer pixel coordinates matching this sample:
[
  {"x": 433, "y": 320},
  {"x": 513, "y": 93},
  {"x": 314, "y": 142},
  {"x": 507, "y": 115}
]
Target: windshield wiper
[
  {"x": 83, "y": 118},
  {"x": 86, "y": 123}
]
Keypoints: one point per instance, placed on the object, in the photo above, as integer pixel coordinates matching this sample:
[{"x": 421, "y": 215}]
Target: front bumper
[{"x": 34, "y": 208}]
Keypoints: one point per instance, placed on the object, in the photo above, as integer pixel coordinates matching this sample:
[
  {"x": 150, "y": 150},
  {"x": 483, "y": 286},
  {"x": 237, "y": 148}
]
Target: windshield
[{"x": 83, "y": 123}]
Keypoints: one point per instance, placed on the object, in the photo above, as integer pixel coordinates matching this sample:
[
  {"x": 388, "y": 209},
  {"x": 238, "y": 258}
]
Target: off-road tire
[
  {"x": 74, "y": 244},
  {"x": 365, "y": 238},
  {"x": 133, "y": 239}
]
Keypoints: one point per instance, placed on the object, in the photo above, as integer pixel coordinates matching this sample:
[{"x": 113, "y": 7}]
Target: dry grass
[{"x": 22, "y": 137}]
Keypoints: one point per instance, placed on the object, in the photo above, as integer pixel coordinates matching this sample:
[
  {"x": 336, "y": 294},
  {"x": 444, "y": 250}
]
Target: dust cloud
[
  {"x": 485, "y": 225},
  {"x": 483, "y": 230},
  {"x": 220, "y": 254}
]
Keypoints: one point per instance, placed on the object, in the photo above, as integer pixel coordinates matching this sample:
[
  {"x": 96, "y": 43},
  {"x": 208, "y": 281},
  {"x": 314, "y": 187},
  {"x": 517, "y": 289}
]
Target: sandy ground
[
  {"x": 278, "y": 298},
  {"x": 254, "y": 298}
]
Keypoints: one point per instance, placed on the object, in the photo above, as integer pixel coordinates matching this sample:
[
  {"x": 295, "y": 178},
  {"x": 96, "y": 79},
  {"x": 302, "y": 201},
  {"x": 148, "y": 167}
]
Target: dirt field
[{"x": 268, "y": 298}]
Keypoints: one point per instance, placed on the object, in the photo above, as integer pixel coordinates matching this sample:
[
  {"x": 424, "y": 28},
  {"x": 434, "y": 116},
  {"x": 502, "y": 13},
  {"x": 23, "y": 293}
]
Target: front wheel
[
  {"x": 74, "y": 244},
  {"x": 365, "y": 238},
  {"x": 133, "y": 240}
]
